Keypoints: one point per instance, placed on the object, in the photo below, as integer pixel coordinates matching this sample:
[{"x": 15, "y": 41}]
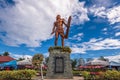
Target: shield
[{"x": 68, "y": 27}]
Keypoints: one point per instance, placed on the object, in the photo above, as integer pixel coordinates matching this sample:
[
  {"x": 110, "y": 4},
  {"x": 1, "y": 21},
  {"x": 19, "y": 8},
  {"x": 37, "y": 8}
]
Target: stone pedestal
[{"x": 59, "y": 64}]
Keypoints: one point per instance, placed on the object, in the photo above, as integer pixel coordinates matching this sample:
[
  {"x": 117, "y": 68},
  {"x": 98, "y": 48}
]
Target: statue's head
[{"x": 58, "y": 17}]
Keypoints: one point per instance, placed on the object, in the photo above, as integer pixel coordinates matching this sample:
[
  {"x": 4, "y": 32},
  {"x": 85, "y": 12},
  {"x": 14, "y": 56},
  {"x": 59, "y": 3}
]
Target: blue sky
[{"x": 25, "y": 27}]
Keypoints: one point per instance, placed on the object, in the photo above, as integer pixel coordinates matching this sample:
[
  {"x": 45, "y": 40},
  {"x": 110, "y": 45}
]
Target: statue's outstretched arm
[{"x": 65, "y": 23}]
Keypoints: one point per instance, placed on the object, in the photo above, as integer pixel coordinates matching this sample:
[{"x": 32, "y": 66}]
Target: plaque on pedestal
[{"x": 59, "y": 65}]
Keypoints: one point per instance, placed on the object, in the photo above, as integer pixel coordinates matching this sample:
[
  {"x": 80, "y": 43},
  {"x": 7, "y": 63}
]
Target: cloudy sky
[{"x": 25, "y": 27}]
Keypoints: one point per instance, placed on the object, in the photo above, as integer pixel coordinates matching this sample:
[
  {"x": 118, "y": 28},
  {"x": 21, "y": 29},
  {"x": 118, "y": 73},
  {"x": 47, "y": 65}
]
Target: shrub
[
  {"x": 64, "y": 49},
  {"x": 108, "y": 75},
  {"x": 76, "y": 73},
  {"x": 114, "y": 75},
  {"x": 44, "y": 73},
  {"x": 17, "y": 75},
  {"x": 85, "y": 74},
  {"x": 7, "y": 75},
  {"x": 101, "y": 75}
]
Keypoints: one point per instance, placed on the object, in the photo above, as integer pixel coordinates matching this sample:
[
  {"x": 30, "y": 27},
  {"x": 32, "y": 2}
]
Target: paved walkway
[{"x": 74, "y": 78}]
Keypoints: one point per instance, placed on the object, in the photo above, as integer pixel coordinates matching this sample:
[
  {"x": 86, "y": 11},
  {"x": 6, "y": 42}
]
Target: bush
[
  {"x": 76, "y": 73},
  {"x": 44, "y": 73},
  {"x": 100, "y": 76},
  {"x": 7, "y": 75},
  {"x": 17, "y": 75},
  {"x": 64, "y": 49},
  {"x": 85, "y": 74},
  {"x": 108, "y": 75},
  {"x": 114, "y": 75}
]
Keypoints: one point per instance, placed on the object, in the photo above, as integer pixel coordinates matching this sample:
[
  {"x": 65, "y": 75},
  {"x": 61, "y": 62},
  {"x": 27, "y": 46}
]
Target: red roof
[{"x": 6, "y": 59}]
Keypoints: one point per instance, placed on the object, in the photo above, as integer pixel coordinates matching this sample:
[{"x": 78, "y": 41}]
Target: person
[{"x": 59, "y": 30}]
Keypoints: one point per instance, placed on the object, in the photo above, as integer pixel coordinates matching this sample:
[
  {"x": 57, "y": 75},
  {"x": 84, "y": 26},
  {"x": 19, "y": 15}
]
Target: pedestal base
[{"x": 59, "y": 65}]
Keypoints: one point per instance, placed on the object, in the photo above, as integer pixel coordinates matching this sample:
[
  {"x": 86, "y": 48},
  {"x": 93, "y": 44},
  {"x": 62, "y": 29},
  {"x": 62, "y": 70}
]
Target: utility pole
[{"x": 42, "y": 78}]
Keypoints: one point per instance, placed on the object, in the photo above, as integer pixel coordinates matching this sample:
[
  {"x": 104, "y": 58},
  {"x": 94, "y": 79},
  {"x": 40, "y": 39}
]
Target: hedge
[
  {"x": 17, "y": 75},
  {"x": 107, "y": 75},
  {"x": 111, "y": 74}
]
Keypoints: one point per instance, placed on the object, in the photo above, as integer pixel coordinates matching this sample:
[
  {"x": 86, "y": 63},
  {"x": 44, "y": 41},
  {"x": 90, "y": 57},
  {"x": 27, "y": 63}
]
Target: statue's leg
[
  {"x": 56, "y": 38},
  {"x": 62, "y": 42},
  {"x": 62, "y": 39}
]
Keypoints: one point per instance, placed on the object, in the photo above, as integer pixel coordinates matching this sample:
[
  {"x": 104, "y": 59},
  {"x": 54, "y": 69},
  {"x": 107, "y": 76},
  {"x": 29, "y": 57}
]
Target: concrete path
[{"x": 74, "y": 78}]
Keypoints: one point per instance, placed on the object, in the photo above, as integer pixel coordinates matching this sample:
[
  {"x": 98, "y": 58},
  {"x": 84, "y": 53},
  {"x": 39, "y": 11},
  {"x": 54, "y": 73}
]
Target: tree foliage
[
  {"x": 102, "y": 58},
  {"x": 37, "y": 60},
  {"x": 20, "y": 59},
  {"x": 6, "y": 54},
  {"x": 74, "y": 62},
  {"x": 46, "y": 60}
]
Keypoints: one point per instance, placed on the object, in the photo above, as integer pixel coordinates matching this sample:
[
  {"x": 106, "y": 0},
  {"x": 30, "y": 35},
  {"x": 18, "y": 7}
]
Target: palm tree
[
  {"x": 37, "y": 60},
  {"x": 6, "y": 54}
]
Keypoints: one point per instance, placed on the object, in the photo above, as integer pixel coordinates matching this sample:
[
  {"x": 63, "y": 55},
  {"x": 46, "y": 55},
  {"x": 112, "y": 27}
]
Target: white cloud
[
  {"x": 80, "y": 34},
  {"x": 104, "y": 44},
  {"x": 112, "y": 14},
  {"x": 96, "y": 44},
  {"x": 46, "y": 54},
  {"x": 30, "y": 21},
  {"x": 117, "y": 27},
  {"x": 77, "y": 37},
  {"x": 79, "y": 13},
  {"x": 33, "y": 50},
  {"x": 98, "y": 11},
  {"x": 105, "y": 29},
  {"x": 115, "y": 58},
  {"x": 76, "y": 49},
  {"x": 105, "y": 3},
  {"x": 17, "y": 56},
  {"x": 117, "y": 34}
]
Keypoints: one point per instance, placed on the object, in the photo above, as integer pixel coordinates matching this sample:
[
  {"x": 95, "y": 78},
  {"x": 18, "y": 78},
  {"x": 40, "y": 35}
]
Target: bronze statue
[{"x": 58, "y": 29}]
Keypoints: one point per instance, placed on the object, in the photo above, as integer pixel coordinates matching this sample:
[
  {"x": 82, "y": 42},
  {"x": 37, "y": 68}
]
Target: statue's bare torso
[{"x": 59, "y": 25}]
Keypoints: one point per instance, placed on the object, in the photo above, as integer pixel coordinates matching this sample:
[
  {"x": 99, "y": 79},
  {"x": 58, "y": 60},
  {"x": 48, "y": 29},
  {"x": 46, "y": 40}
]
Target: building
[
  {"x": 27, "y": 63},
  {"x": 98, "y": 62},
  {"x": 7, "y": 62},
  {"x": 81, "y": 62},
  {"x": 114, "y": 65}
]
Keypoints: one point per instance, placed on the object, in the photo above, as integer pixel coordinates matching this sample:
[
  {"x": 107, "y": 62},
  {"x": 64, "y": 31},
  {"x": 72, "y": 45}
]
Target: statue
[{"x": 58, "y": 29}]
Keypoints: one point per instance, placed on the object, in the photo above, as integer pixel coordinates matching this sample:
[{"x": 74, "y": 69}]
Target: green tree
[
  {"x": 46, "y": 60},
  {"x": 74, "y": 62},
  {"x": 20, "y": 59},
  {"x": 102, "y": 58},
  {"x": 6, "y": 54},
  {"x": 37, "y": 60}
]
